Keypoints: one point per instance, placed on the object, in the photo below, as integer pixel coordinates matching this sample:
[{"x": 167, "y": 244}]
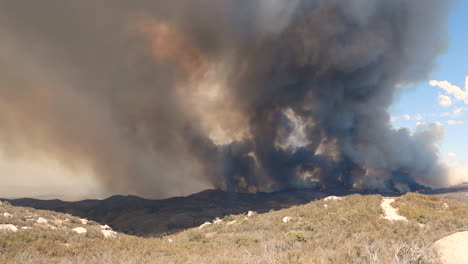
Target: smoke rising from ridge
[{"x": 157, "y": 97}]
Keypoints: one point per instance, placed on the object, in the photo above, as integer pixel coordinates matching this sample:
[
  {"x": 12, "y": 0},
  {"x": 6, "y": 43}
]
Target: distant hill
[
  {"x": 143, "y": 217},
  {"x": 137, "y": 216}
]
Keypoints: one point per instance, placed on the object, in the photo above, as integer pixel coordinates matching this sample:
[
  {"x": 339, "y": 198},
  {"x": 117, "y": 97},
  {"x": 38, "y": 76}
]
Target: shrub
[
  {"x": 228, "y": 218},
  {"x": 195, "y": 236},
  {"x": 296, "y": 236},
  {"x": 246, "y": 240}
]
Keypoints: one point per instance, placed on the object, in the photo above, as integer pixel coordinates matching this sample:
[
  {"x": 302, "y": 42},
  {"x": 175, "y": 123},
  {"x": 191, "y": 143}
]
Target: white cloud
[
  {"x": 445, "y": 100},
  {"x": 455, "y": 122},
  {"x": 460, "y": 110},
  {"x": 426, "y": 124},
  {"x": 466, "y": 83},
  {"x": 394, "y": 119},
  {"x": 418, "y": 117},
  {"x": 407, "y": 117},
  {"x": 452, "y": 154},
  {"x": 454, "y": 91}
]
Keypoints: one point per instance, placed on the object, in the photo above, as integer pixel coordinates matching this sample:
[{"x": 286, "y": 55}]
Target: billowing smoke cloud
[{"x": 159, "y": 97}]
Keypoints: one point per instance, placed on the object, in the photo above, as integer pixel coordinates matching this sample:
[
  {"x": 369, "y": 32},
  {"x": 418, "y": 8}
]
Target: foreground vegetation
[{"x": 350, "y": 230}]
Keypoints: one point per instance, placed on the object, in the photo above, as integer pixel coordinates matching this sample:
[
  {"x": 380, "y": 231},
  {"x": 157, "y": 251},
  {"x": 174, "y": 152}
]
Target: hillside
[
  {"x": 142, "y": 217},
  {"x": 348, "y": 230}
]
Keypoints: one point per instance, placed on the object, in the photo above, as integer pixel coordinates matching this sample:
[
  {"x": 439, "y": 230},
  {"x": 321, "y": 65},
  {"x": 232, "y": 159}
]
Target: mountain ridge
[{"x": 134, "y": 215}]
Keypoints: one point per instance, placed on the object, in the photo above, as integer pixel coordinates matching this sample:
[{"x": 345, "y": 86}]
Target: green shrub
[
  {"x": 246, "y": 240},
  {"x": 228, "y": 218},
  {"x": 195, "y": 236},
  {"x": 296, "y": 236}
]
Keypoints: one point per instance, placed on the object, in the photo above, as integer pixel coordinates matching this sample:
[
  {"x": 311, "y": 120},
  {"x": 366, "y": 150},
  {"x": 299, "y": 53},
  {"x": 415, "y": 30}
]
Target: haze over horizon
[{"x": 163, "y": 99}]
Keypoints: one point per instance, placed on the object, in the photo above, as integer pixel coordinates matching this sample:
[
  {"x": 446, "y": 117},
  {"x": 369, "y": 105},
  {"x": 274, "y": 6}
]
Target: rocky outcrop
[
  {"x": 109, "y": 234},
  {"x": 453, "y": 249},
  {"x": 8, "y": 227},
  {"x": 79, "y": 230},
  {"x": 42, "y": 220},
  {"x": 333, "y": 198},
  {"x": 204, "y": 225}
]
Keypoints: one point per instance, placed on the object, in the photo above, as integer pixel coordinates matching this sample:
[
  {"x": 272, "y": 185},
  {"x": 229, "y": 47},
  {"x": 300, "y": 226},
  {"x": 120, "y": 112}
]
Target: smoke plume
[{"x": 243, "y": 95}]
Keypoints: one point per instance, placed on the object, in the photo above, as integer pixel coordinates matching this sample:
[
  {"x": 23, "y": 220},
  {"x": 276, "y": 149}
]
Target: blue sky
[{"x": 422, "y": 102}]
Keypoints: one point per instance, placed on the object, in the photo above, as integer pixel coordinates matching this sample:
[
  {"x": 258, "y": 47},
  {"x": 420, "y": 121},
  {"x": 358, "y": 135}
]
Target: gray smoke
[{"x": 245, "y": 95}]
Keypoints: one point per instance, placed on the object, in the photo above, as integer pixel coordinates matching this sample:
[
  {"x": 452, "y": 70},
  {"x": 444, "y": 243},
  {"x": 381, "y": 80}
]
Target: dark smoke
[{"x": 160, "y": 97}]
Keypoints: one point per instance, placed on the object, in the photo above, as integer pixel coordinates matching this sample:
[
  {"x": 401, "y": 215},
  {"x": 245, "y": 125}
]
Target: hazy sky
[{"x": 44, "y": 179}]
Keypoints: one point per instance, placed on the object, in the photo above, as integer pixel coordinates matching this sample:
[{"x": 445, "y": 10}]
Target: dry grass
[{"x": 347, "y": 231}]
